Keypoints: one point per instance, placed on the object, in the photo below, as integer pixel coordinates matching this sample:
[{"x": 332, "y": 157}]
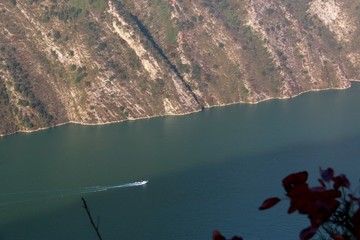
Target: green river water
[{"x": 206, "y": 171}]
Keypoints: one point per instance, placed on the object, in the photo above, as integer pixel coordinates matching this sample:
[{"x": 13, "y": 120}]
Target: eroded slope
[{"x": 100, "y": 61}]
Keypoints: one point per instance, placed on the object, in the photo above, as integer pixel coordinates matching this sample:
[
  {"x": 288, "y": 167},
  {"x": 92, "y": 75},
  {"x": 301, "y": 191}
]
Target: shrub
[
  {"x": 57, "y": 35},
  {"x": 80, "y": 77},
  {"x": 333, "y": 210},
  {"x": 332, "y": 207}
]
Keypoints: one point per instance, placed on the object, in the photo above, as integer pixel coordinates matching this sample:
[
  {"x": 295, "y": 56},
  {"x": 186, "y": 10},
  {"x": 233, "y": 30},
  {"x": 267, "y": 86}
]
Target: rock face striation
[{"x": 102, "y": 61}]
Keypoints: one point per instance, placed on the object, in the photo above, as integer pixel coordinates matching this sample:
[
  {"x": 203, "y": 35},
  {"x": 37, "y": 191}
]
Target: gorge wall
[{"x": 102, "y": 61}]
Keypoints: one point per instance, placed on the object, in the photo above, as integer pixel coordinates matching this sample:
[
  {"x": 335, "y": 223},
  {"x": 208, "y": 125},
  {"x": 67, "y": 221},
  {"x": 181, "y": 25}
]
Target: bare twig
[{"x": 96, "y": 228}]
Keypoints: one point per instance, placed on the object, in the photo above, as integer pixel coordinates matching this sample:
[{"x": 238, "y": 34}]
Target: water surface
[{"x": 206, "y": 171}]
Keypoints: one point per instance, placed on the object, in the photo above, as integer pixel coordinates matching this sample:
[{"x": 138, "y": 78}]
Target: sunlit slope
[{"x": 99, "y": 61}]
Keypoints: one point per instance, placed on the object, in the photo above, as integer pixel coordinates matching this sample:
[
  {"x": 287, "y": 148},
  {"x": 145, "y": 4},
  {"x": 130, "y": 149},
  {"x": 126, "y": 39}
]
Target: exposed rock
[
  {"x": 102, "y": 61},
  {"x": 331, "y": 14}
]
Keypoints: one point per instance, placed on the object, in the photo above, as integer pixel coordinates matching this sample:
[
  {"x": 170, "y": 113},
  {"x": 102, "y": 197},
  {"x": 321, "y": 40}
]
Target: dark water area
[{"x": 206, "y": 171}]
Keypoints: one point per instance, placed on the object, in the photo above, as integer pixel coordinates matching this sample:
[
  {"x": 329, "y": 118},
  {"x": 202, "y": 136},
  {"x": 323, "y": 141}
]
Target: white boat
[{"x": 141, "y": 183}]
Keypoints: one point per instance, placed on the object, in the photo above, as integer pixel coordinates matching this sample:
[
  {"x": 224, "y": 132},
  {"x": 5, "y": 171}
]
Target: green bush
[{"x": 57, "y": 35}]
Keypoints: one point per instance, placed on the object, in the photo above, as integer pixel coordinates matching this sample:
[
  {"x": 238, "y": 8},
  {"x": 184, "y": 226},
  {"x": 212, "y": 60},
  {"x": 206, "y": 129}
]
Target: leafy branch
[{"x": 332, "y": 208}]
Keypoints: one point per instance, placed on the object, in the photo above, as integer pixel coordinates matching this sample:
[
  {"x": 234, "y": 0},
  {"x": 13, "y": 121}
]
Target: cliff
[{"x": 101, "y": 61}]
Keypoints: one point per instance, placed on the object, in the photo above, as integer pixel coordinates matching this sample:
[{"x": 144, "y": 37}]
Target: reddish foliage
[
  {"x": 327, "y": 174},
  {"x": 217, "y": 236},
  {"x": 322, "y": 183},
  {"x": 356, "y": 222},
  {"x": 319, "y": 212},
  {"x": 307, "y": 233},
  {"x": 298, "y": 190},
  {"x": 338, "y": 237},
  {"x": 268, "y": 203},
  {"x": 330, "y": 209},
  {"x": 236, "y": 238},
  {"x": 341, "y": 181},
  {"x": 318, "y": 203},
  {"x": 321, "y": 204},
  {"x": 294, "y": 180}
]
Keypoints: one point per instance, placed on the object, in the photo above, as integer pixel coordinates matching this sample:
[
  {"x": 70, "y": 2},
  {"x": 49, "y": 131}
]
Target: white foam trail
[
  {"x": 61, "y": 193},
  {"x": 82, "y": 190}
]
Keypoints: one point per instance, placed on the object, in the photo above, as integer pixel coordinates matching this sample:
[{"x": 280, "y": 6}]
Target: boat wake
[
  {"x": 106, "y": 188},
  {"x": 29, "y": 196}
]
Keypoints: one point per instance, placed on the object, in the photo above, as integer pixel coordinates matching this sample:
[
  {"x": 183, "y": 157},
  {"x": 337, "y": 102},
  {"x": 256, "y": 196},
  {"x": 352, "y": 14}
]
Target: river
[{"x": 206, "y": 171}]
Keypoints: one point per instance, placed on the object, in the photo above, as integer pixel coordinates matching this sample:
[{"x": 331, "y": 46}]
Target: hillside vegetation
[{"x": 101, "y": 61}]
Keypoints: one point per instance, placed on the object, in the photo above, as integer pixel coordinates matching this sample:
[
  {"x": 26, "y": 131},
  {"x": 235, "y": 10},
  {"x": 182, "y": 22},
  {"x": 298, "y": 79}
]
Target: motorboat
[{"x": 141, "y": 183}]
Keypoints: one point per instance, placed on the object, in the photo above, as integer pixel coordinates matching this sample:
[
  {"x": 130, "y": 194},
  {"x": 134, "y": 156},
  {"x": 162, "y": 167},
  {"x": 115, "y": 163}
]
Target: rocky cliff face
[{"x": 100, "y": 61}]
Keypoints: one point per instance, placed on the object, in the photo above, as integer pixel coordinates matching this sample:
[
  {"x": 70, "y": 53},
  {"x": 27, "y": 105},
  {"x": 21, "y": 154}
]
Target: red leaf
[
  {"x": 294, "y": 179},
  {"x": 356, "y": 222},
  {"x": 322, "y": 183},
  {"x": 327, "y": 174},
  {"x": 294, "y": 205},
  {"x": 329, "y": 194},
  {"x": 332, "y": 205},
  {"x": 337, "y": 237},
  {"x": 307, "y": 233},
  {"x": 341, "y": 181},
  {"x": 300, "y": 203},
  {"x": 268, "y": 203},
  {"x": 299, "y": 190},
  {"x": 320, "y": 211},
  {"x": 217, "y": 236},
  {"x": 237, "y": 238}
]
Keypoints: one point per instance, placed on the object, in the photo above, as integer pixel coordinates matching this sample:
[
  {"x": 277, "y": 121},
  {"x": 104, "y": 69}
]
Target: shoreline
[{"x": 180, "y": 114}]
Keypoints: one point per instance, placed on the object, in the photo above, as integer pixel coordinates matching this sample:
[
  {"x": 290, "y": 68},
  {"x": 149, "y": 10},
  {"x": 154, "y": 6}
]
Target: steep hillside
[{"x": 101, "y": 61}]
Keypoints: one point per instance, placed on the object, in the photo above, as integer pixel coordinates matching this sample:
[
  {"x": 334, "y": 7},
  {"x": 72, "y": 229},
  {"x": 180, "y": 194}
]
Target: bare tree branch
[{"x": 96, "y": 228}]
